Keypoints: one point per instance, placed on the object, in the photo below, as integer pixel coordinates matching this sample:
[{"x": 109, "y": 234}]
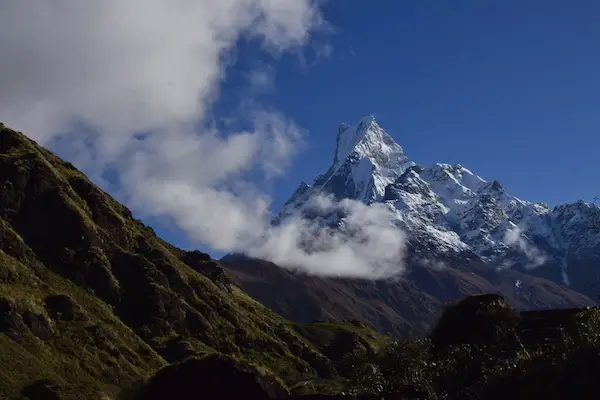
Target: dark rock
[
  {"x": 38, "y": 325},
  {"x": 196, "y": 323},
  {"x": 214, "y": 377},
  {"x": 176, "y": 350},
  {"x": 9, "y": 140},
  {"x": 11, "y": 323},
  {"x": 357, "y": 323},
  {"x": 43, "y": 210},
  {"x": 344, "y": 343},
  {"x": 202, "y": 263},
  {"x": 43, "y": 390},
  {"x": 61, "y": 307},
  {"x": 100, "y": 279},
  {"x": 195, "y": 257},
  {"x": 102, "y": 341},
  {"x": 145, "y": 301},
  {"x": 479, "y": 319}
]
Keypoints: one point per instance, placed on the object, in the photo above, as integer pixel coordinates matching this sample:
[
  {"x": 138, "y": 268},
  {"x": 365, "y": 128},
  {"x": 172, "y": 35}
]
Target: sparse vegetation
[
  {"x": 94, "y": 302},
  {"x": 94, "y": 306},
  {"x": 498, "y": 366}
]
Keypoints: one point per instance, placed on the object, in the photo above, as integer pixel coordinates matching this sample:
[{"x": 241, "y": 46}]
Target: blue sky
[
  {"x": 505, "y": 88},
  {"x": 508, "y": 89}
]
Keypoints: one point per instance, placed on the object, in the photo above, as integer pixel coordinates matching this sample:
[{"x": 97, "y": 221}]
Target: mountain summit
[
  {"x": 372, "y": 157},
  {"x": 465, "y": 235},
  {"x": 366, "y": 160},
  {"x": 447, "y": 209}
]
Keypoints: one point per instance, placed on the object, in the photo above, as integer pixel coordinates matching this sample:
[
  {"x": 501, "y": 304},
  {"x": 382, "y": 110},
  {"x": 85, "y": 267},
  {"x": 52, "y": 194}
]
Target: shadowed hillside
[
  {"x": 478, "y": 350},
  {"x": 92, "y": 300},
  {"x": 402, "y": 307},
  {"x": 94, "y": 305}
]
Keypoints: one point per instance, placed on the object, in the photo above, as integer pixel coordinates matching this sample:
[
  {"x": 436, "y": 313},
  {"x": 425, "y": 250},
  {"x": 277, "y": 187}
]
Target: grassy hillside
[
  {"x": 93, "y": 305},
  {"x": 93, "y": 301}
]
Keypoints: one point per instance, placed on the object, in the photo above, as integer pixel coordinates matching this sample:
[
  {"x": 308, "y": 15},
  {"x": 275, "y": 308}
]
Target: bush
[{"x": 479, "y": 320}]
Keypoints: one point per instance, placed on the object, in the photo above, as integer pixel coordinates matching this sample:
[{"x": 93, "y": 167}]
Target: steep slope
[
  {"x": 366, "y": 161},
  {"x": 92, "y": 301},
  {"x": 402, "y": 307}
]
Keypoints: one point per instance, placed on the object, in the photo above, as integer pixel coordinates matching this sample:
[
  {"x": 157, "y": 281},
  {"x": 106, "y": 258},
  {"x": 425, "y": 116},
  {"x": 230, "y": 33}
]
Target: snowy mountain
[{"x": 448, "y": 209}]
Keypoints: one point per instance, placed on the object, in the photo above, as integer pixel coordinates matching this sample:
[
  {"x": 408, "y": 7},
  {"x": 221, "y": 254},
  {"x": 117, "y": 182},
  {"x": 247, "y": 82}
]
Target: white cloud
[
  {"x": 128, "y": 66},
  {"x": 514, "y": 237},
  {"x": 154, "y": 67},
  {"x": 366, "y": 244}
]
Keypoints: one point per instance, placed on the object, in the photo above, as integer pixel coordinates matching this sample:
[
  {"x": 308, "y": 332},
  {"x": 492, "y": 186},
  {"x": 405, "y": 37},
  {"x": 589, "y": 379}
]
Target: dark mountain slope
[
  {"x": 93, "y": 301},
  {"x": 451, "y": 218},
  {"x": 406, "y": 306}
]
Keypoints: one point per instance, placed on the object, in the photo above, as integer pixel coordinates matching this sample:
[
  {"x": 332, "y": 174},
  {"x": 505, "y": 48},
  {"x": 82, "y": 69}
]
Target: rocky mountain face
[
  {"x": 461, "y": 230},
  {"x": 449, "y": 209},
  {"x": 92, "y": 302}
]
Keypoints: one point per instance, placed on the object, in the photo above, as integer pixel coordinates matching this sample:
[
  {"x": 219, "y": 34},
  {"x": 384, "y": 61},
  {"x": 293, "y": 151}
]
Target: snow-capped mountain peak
[
  {"x": 366, "y": 160},
  {"x": 366, "y": 138},
  {"x": 368, "y": 157},
  {"x": 448, "y": 208}
]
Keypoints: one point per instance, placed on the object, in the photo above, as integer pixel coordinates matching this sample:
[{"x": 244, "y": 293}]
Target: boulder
[
  {"x": 43, "y": 390},
  {"x": 11, "y": 322},
  {"x": 203, "y": 264},
  {"x": 61, "y": 307},
  {"x": 38, "y": 325},
  {"x": 215, "y": 377},
  {"x": 479, "y": 319}
]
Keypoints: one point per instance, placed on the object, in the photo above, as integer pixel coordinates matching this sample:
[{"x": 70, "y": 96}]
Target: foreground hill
[{"x": 92, "y": 301}]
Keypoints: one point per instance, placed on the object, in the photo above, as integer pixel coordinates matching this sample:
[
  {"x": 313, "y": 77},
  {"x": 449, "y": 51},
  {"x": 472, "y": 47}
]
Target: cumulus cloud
[
  {"x": 129, "y": 66},
  {"x": 515, "y": 237},
  {"x": 365, "y": 241},
  {"x": 127, "y": 87}
]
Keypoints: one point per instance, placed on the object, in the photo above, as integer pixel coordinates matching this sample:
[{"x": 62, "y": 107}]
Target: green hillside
[
  {"x": 93, "y": 300},
  {"x": 93, "y": 305}
]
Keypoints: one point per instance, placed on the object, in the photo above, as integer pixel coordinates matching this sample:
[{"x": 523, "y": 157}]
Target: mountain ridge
[
  {"x": 465, "y": 235},
  {"x": 449, "y": 208}
]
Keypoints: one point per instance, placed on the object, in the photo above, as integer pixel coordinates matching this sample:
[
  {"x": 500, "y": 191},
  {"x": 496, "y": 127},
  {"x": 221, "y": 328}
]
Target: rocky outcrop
[
  {"x": 480, "y": 320},
  {"x": 203, "y": 264},
  {"x": 213, "y": 377}
]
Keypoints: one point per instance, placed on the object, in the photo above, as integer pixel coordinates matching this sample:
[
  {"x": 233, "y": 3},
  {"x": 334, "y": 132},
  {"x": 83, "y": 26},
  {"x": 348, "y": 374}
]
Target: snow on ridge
[
  {"x": 369, "y": 158},
  {"x": 349, "y": 137},
  {"x": 446, "y": 205}
]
